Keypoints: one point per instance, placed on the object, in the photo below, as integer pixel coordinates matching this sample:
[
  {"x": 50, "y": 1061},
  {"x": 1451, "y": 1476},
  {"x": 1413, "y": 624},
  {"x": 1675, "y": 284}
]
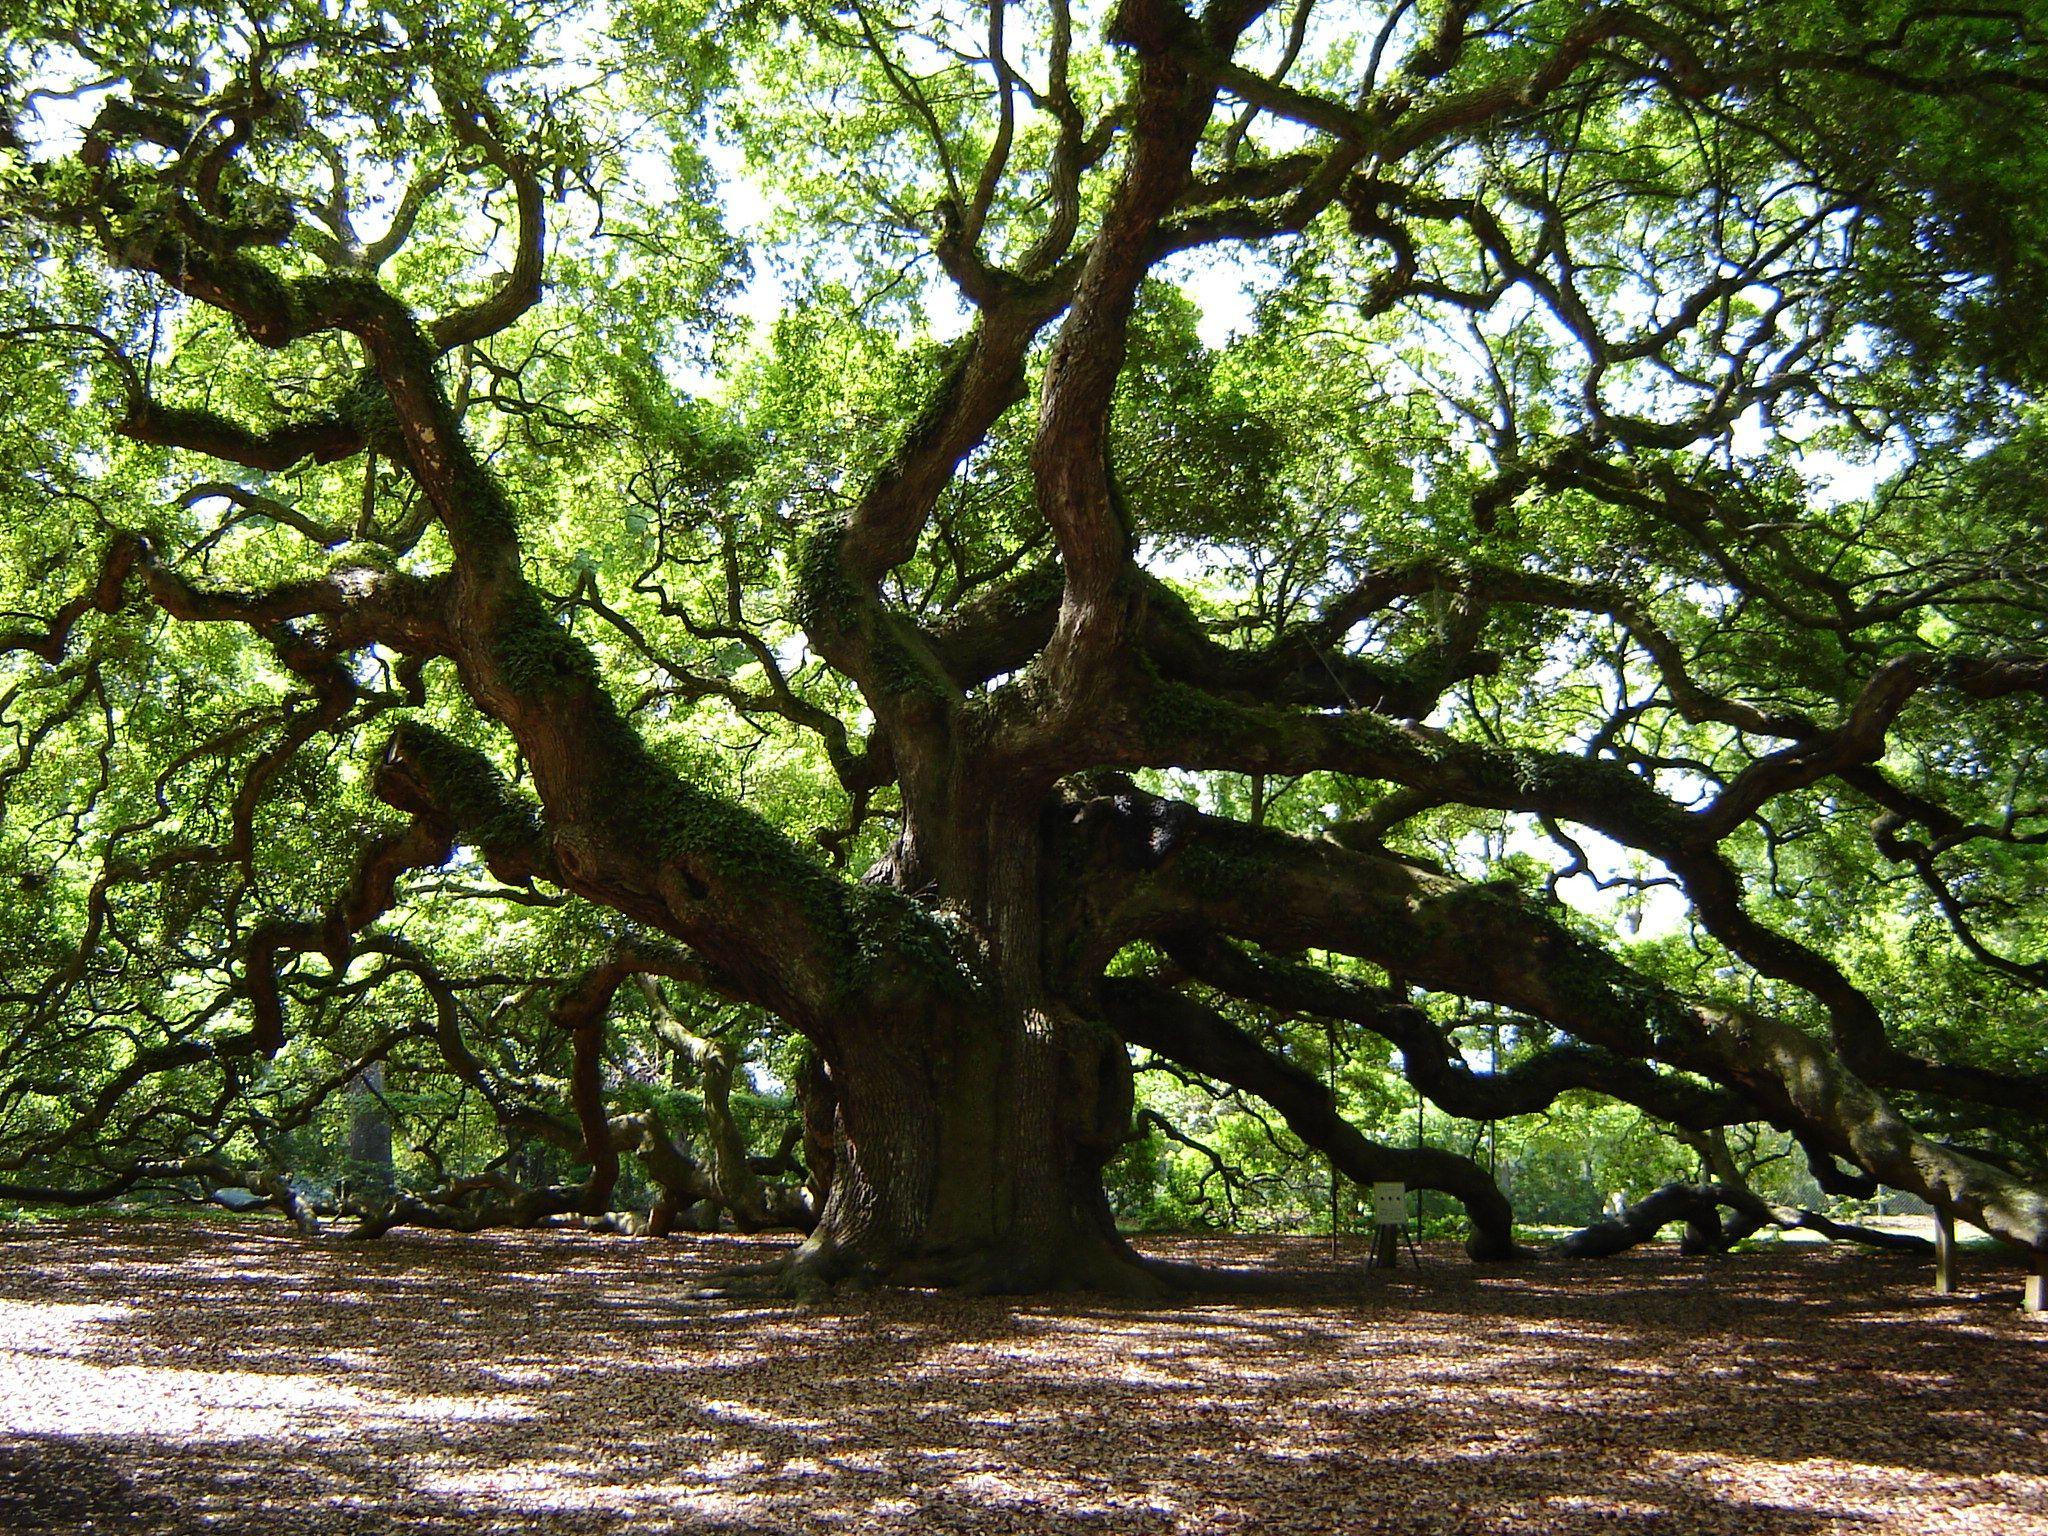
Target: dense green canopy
[{"x": 570, "y": 572}]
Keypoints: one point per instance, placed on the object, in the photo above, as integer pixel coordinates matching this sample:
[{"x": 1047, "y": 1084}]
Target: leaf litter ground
[{"x": 175, "y": 1377}]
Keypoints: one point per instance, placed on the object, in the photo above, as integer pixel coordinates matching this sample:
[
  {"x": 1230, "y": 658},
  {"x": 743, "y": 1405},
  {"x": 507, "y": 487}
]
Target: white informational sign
[{"x": 1390, "y": 1205}]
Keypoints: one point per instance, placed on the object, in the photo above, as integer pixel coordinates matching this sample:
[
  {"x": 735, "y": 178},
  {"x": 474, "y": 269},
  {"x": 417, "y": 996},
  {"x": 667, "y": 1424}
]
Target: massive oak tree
[{"x": 994, "y": 536}]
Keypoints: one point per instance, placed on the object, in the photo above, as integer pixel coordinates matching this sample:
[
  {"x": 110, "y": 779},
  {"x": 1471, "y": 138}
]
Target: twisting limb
[
  {"x": 1183, "y": 1030},
  {"x": 1221, "y": 1169},
  {"x": 1432, "y": 1063},
  {"x": 1284, "y": 893},
  {"x": 1070, "y": 455}
]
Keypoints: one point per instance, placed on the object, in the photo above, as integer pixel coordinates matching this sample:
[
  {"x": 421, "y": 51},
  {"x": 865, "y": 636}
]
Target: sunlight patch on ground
[
  {"x": 55, "y": 1381},
  {"x": 1871, "y": 1491}
]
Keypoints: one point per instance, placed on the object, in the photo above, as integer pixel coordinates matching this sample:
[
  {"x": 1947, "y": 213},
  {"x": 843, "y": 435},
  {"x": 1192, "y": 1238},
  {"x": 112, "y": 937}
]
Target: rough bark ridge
[{"x": 970, "y": 1004}]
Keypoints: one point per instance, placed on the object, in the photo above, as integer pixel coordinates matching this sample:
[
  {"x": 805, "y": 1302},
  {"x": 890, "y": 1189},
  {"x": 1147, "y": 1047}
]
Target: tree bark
[
  {"x": 1699, "y": 1207},
  {"x": 967, "y": 1150}
]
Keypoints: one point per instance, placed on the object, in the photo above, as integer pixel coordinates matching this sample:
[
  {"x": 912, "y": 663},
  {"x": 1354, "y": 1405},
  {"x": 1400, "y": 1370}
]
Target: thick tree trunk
[
  {"x": 968, "y": 1134},
  {"x": 968, "y": 1152}
]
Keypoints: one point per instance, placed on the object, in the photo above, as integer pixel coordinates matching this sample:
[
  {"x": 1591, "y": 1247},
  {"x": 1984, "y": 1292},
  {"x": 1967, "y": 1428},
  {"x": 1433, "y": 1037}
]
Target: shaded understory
[{"x": 184, "y": 1377}]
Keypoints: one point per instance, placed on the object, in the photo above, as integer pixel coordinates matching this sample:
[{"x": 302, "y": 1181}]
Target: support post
[
  {"x": 1386, "y": 1248},
  {"x": 2037, "y": 1285},
  {"x": 1944, "y": 1251}
]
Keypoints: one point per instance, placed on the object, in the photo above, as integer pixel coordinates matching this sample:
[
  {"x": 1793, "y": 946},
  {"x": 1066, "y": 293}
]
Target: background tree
[{"x": 1623, "y": 477}]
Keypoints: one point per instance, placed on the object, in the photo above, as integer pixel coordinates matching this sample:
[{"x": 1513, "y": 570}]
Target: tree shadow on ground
[{"x": 163, "y": 1377}]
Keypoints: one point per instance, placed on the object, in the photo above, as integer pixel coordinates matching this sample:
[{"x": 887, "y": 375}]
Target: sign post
[{"x": 1389, "y": 1222}]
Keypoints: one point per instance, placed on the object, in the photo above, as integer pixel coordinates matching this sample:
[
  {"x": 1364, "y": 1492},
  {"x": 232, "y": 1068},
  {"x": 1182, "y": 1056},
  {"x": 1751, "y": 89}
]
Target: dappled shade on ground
[{"x": 180, "y": 1377}]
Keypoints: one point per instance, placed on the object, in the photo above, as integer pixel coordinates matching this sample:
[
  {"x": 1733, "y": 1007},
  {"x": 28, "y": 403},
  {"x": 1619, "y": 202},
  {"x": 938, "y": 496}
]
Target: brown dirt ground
[{"x": 179, "y": 1377}]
